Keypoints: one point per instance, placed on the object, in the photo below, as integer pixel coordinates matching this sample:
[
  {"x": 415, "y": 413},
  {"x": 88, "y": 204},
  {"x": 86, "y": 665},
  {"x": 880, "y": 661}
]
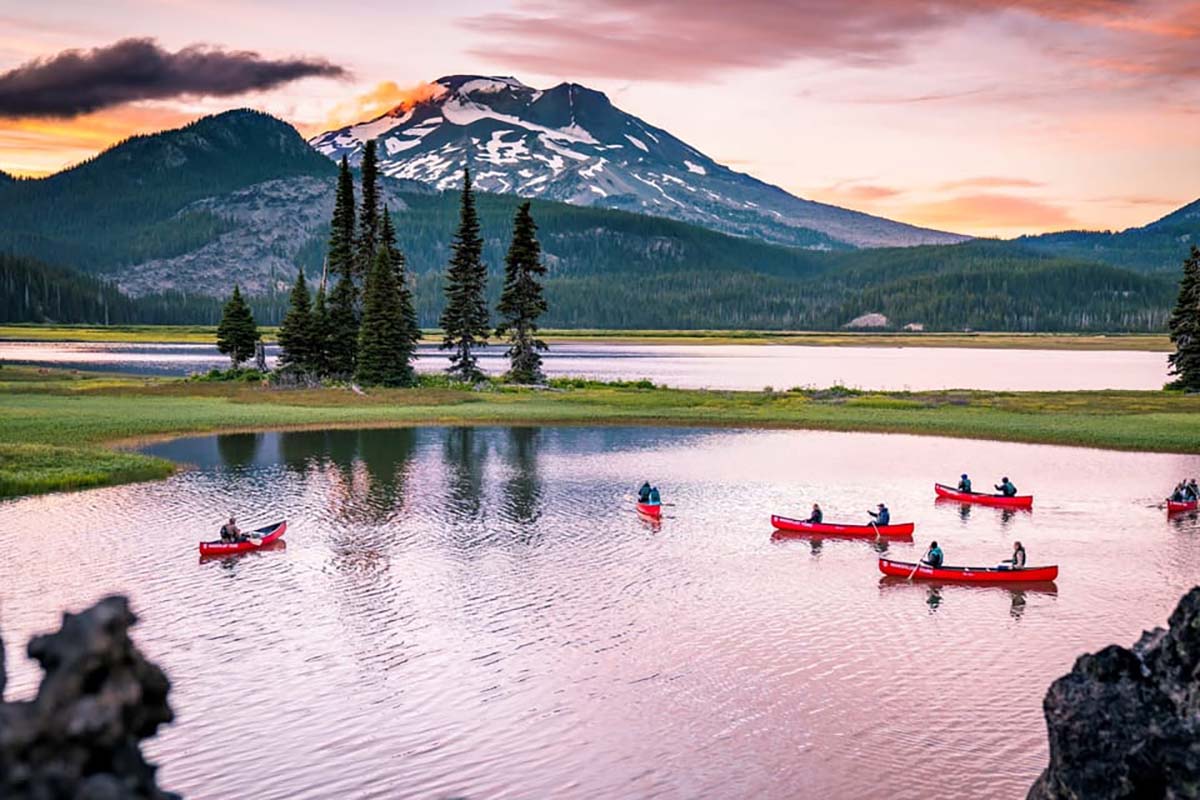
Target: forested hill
[{"x": 1157, "y": 246}]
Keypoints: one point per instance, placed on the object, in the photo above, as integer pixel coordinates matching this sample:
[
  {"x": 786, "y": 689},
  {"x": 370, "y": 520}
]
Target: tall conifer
[
  {"x": 238, "y": 333},
  {"x": 342, "y": 227},
  {"x": 1184, "y": 326},
  {"x": 384, "y": 349},
  {"x": 320, "y": 328},
  {"x": 368, "y": 215},
  {"x": 297, "y": 334},
  {"x": 406, "y": 307},
  {"x": 522, "y": 300},
  {"x": 465, "y": 317}
]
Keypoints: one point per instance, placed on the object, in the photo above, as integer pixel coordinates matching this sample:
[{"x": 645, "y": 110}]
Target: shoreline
[
  {"x": 62, "y": 431},
  {"x": 203, "y": 334}
]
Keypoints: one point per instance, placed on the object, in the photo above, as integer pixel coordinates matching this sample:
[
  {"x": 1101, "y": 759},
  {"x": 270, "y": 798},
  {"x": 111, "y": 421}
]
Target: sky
[{"x": 985, "y": 117}]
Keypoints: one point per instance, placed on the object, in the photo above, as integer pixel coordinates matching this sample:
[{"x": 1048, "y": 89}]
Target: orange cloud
[
  {"x": 385, "y": 97},
  {"x": 35, "y": 147},
  {"x": 992, "y": 213}
]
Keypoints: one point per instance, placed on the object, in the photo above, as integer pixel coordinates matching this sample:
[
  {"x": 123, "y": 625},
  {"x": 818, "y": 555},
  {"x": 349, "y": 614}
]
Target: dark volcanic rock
[
  {"x": 1126, "y": 723},
  {"x": 79, "y": 738}
]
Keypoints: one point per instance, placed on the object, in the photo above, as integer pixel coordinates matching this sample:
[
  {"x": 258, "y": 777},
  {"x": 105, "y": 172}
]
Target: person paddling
[
  {"x": 933, "y": 556},
  {"x": 654, "y": 498},
  {"x": 644, "y": 493},
  {"x": 1006, "y": 487},
  {"x": 1192, "y": 491},
  {"x": 1018, "y": 558},
  {"x": 816, "y": 517},
  {"x": 230, "y": 532},
  {"x": 964, "y": 484},
  {"x": 882, "y": 516}
]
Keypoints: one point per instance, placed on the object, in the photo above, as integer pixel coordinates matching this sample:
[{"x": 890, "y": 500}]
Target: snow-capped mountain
[{"x": 569, "y": 143}]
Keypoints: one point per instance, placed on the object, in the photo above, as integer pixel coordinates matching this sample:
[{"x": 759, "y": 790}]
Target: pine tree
[
  {"x": 341, "y": 331},
  {"x": 237, "y": 333},
  {"x": 320, "y": 329},
  {"x": 522, "y": 301},
  {"x": 465, "y": 317},
  {"x": 297, "y": 334},
  {"x": 1184, "y": 325},
  {"x": 404, "y": 294},
  {"x": 341, "y": 229},
  {"x": 384, "y": 350},
  {"x": 368, "y": 216}
]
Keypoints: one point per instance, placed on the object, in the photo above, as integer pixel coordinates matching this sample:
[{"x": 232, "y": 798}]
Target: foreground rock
[
  {"x": 1126, "y": 723},
  {"x": 80, "y": 737}
]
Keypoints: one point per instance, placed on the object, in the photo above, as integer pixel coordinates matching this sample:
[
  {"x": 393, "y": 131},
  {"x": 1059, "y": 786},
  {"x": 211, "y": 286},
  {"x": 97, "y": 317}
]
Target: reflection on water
[
  {"x": 479, "y": 612},
  {"x": 702, "y": 366}
]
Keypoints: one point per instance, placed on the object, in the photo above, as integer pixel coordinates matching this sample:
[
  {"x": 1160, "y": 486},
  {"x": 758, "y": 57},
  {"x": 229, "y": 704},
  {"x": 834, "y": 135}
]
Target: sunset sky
[{"x": 978, "y": 116}]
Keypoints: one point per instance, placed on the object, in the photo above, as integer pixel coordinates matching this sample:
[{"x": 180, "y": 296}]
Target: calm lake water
[
  {"x": 479, "y": 613},
  {"x": 706, "y": 366}
]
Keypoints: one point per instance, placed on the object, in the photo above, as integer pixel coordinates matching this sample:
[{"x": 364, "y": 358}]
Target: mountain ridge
[{"x": 570, "y": 143}]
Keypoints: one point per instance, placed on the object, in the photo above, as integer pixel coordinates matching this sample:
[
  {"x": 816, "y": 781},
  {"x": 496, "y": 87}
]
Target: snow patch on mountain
[{"x": 569, "y": 143}]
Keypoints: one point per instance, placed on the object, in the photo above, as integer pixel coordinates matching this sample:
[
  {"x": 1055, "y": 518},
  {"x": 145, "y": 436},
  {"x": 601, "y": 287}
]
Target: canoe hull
[
  {"x": 831, "y": 529},
  {"x": 1174, "y": 507},
  {"x": 968, "y": 574},
  {"x": 997, "y": 500},
  {"x": 650, "y": 510},
  {"x": 270, "y": 533}
]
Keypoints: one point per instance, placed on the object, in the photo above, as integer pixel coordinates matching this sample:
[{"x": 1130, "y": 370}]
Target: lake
[
  {"x": 479, "y": 613},
  {"x": 705, "y": 366}
]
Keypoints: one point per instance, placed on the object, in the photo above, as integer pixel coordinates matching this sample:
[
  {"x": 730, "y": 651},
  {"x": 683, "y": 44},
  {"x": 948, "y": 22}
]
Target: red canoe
[
  {"x": 950, "y": 493},
  {"x": 650, "y": 509},
  {"x": 968, "y": 574},
  {"x": 800, "y": 526},
  {"x": 269, "y": 534},
  {"x": 1176, "y": 507}
]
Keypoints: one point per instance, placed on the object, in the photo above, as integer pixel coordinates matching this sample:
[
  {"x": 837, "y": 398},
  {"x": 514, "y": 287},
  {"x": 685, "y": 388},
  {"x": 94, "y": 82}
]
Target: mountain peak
[{"x": 570, "y": 143}]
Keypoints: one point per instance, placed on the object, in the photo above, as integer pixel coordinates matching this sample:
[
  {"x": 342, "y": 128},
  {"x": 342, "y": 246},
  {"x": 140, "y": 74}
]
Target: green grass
[
  {"x": 57, "y": 428},
  {"x": 203, "y": 334}
]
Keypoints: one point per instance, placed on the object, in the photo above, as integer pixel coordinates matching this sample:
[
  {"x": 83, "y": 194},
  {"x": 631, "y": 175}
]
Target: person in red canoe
[
  {"x": 654, "y": 499},
  {"x": 644, "y": 493},
  {"x": 230, "y": 532},
  {"x": 1006, "y": 487},
  {"x": 1018, "y": 559},
  {"x": 933, "y": 556},
  {"x": 816, "y": 516},
  {"x": 964, "y": 484},
  {"x": 882, "y": 516}
]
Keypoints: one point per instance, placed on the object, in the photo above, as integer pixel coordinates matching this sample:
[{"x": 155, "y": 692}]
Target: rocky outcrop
[
  {"x": 1126, "y": 723},
  {"x": 79, "y": 737}
]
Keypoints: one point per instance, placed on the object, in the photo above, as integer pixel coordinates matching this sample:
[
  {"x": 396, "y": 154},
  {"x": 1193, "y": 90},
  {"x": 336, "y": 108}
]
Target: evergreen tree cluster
[
  {"x": 1184, "y": 325},
  {"x": 237, "y": 335},
  {"x": 368, "y": 328}
]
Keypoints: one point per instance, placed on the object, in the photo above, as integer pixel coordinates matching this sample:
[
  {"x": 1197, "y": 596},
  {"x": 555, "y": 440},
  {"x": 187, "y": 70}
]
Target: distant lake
[
  {"x": 479, "y": 613},
  {"x": 750, "y": 366}
]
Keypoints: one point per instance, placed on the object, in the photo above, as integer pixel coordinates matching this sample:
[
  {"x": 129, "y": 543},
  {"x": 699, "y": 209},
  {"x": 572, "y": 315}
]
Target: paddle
[
  {"x": 915, "y": 568},
  {"x": 876, "y": 527}
]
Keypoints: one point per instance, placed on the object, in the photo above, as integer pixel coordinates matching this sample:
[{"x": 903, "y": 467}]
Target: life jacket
[
  {"x": 935, "y": 557},
  {"x": 226, "y": 534},
  {"x": 644, "y": 493},
  {"x": 1008, "y": 490},
  {"x": 883, "y": 517},
  {"x": 817, "y": 516},
  {"x": 964, "y": 486},
  {"x": 654, "y": 496}
]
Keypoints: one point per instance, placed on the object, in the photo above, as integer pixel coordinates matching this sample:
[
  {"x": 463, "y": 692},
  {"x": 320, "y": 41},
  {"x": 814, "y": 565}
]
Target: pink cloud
[
  {"x": 991, "y": 182},
  {"x": 992, "y": 212},
  {"x": 692, "y": 40}
]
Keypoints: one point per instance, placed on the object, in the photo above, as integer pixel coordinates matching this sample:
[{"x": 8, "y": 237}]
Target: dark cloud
[{"x": 79, "y": 81}]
